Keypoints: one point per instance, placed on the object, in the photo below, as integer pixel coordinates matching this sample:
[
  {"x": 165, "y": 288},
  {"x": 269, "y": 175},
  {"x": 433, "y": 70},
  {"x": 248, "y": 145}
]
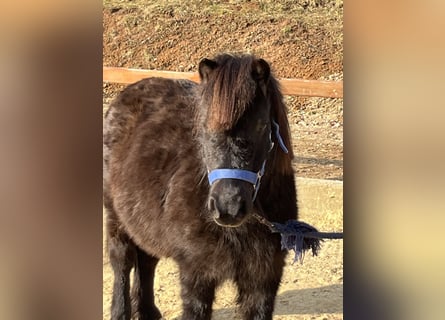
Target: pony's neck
[{"x": 277, "y": 195}]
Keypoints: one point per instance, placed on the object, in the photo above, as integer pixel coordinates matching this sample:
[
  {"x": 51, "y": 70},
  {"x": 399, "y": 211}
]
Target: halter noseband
[{"x": 245, "y": 175}]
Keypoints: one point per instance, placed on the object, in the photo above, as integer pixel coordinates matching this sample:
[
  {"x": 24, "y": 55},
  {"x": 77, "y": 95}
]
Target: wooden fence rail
[{"x": 299, "y": 87}]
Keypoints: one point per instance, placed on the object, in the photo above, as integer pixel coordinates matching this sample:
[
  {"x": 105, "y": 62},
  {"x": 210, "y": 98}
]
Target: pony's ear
[
  {"x": 260, "y": 70},
  {"x": 206, "y": 66}
]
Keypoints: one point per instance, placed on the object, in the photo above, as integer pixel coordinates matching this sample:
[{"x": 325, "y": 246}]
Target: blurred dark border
[
  {"x": 51, "y": 160},
  {"x": 394, "y": 156},
  {"x": 51, "y": 163}
]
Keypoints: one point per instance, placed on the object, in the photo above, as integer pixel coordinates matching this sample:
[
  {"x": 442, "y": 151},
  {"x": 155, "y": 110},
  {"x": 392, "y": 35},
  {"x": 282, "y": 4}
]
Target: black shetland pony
[{"x": 182, "y": 166}]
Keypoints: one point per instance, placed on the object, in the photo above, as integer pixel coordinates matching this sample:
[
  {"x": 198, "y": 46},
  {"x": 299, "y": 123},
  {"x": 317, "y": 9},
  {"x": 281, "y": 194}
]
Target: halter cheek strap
[
  {"x": 245, "y": 175},
  {"x": 278, "y": 135}
]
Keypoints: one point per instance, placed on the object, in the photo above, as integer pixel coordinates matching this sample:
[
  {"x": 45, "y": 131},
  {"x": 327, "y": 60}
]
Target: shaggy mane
[{"x": 233, "y": 91}]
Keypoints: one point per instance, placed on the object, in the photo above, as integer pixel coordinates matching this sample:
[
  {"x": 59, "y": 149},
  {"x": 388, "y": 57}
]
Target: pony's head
[{"x": 240, "y": 112}]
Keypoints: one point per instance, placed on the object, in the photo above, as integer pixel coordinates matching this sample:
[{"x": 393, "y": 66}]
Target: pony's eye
[{"x": 261, "y": 126}]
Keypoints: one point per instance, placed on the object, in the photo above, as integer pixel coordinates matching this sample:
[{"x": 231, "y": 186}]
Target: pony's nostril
[
  {"x": 242, "y": 209},
  {"x": 212, "y": 206}
]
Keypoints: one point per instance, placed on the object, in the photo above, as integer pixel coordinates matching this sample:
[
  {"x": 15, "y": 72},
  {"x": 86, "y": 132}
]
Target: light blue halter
[{"x": 252, "y": 177}]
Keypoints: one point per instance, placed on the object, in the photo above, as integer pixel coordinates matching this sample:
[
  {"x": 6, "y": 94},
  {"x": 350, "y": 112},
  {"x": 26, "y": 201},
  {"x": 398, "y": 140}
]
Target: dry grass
[{"x": 286, "y": 23}]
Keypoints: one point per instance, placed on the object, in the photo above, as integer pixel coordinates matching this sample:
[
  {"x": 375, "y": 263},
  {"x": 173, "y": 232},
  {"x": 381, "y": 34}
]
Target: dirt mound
[{"x": 298, "y": 42}]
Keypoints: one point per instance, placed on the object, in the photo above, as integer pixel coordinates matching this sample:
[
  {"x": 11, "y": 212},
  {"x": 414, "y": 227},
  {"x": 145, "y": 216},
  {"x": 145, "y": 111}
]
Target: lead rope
[
  {"x": 309, "y": 234},
  {"x": 295, "y": 235},
  {"x": 298, "y": 236}
]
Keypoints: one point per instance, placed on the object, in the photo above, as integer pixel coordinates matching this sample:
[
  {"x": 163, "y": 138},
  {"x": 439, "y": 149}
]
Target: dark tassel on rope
[{"x": 299, "y": 236}]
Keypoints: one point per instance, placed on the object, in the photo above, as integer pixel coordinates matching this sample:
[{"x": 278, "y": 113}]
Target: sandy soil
[{"x": 313, "y": 290}]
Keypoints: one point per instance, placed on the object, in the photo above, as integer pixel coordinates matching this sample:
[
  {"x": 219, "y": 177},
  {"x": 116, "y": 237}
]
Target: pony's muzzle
[{"x": 230, "y": 202}]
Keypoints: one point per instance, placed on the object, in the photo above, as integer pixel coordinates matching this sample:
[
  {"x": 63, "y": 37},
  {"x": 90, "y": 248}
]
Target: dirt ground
[{"x": 300, "y": 39}]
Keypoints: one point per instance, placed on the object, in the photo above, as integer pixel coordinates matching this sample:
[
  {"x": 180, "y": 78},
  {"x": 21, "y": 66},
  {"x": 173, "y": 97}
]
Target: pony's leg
[
  {"x": 257, "y": 302},
  {"x": 142, "y": 291},
  {"x": 197, "y": 296},
  {"x": 122, "y": 254},
  {"x": 122, "y": 259},
  {"x": 256, "y": 294}
]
